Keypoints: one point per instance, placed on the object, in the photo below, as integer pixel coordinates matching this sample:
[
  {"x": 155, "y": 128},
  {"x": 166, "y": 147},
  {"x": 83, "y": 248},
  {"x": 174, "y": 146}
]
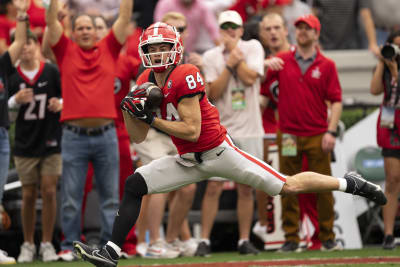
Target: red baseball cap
[{"x": 310, "y": 20}]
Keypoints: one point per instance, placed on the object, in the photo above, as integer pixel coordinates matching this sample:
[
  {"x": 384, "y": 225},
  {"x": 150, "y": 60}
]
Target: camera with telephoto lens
[{"x": 388, "y": 51}]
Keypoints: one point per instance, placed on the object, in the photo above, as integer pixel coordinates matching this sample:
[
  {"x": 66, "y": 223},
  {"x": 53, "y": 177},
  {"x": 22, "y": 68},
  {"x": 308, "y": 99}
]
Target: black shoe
[
  {"x": 330, "y": 245},
  {"x": 290, "y": 246},
  {"x": 388, "y": 242},
  {"x": 98, "y": 257},
  {"x": 366, "y": 189},
  {"x": 247, "y": 248},
  {"x": 203, "y": 250}
]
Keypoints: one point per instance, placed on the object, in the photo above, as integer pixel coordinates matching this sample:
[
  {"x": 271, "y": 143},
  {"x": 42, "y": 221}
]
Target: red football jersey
[{"x": 186, "y": 81}]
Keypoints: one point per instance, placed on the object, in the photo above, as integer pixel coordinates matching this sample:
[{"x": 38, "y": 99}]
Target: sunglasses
[
  {"x": 230, "y": 25},
  {"x": 181, "y": 29}
]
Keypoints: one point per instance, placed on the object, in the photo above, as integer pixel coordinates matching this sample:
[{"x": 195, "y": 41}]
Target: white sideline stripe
[{"x": 12, "y": 186}]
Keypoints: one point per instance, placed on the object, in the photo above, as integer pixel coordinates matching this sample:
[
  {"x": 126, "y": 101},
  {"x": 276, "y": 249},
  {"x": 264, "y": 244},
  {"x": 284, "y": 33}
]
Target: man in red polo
[
  {"x": 307, "y": 82},
  {"x": 87, "y": 72}
]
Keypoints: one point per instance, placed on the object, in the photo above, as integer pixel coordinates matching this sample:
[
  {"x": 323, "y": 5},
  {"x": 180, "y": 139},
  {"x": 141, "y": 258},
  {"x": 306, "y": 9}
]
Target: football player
[{"x": 205, "y": 149}]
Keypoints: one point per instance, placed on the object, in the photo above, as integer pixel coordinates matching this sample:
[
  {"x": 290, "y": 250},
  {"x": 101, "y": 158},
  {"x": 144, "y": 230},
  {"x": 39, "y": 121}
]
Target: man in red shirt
[
  {"x": 87, "y": 76},
  {"x": 307, "y": 82},
  {"x": 126, "y": 71},
  {"x": 205, "y": 150}
]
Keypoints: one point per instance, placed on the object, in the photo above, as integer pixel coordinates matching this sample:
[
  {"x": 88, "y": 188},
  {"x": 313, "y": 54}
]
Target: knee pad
[{"x": 136, "y": 185}]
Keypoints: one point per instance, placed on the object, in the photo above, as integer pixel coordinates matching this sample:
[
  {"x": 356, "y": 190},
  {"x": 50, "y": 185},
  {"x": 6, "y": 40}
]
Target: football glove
[
  {"x": 136, "y": 107},
  {"x": 137, "y": 92}
]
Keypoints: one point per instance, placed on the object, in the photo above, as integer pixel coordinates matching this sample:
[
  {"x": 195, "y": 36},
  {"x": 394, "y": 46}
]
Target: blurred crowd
[{"x": 70, "y": 130}]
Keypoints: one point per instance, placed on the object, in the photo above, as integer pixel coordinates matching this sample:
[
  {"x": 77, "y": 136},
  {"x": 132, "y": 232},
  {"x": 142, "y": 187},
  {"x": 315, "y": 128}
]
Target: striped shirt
[{"x": 339, "y": 21}]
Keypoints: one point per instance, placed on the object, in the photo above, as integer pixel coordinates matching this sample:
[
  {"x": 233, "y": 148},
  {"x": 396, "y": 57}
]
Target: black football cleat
[
  {"x": 98, "y": 257},
  {"x": 366, "y": 189}
]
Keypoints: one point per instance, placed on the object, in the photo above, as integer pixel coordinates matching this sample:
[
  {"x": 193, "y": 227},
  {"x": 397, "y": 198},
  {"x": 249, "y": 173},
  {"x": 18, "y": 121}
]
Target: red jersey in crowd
[{"x": 186, "y": 81}]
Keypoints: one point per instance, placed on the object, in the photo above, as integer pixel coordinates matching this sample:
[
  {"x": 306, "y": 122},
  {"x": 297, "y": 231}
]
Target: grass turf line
[{"x": 234, "y": 256}]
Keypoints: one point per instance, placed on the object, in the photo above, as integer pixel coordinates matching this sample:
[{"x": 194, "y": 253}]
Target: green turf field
[{"x": 233, "y": 256}]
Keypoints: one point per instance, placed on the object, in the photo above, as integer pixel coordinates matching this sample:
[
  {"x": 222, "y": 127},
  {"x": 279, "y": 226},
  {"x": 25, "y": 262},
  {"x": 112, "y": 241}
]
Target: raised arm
[
  {"x": 55, "y": 29},
  {"x": 369, "y": 26},
  {"x": 15, "y": 48},
  {"x": 122, "y": 22}
]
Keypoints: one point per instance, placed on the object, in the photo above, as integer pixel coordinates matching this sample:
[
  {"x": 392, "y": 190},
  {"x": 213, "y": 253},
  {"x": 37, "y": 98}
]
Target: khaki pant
[{"x": 318, "y": 161}]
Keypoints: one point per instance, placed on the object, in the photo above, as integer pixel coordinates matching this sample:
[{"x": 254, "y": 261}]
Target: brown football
[{"x": 154, "y": 96}]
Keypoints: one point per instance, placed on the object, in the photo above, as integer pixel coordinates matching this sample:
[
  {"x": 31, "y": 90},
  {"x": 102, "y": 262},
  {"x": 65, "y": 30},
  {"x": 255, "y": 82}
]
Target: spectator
[
  {"x": 87, "y": 78},
  {"x": 339, "y": 19},
  {"x": 156, "y": 146},
  {"x": 307, "y": 133},
  {"x": 7, "y": 23},
  {"x": 127, "y": 68},
  {"x": 193, "y": 123},
  {"x": 36, "y": 90},
  {"x": 7, "y": 61},
  {"x": 198, "y": 16},
  {"x": 233, "y": 72},
  {"x": 273, "y": 36},
  {"x": 386, "y": 79}
]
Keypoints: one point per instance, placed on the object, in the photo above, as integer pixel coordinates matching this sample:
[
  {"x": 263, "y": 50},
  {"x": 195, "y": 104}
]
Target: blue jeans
[
  {"x": 4, "y": 159},
  {"x": 77, "y": 150}
]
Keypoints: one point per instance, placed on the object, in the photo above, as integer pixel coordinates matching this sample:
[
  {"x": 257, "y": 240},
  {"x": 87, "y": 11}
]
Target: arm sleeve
[
  {"x": 334, "y": 91},
  {"x": 12, "y": 104}
]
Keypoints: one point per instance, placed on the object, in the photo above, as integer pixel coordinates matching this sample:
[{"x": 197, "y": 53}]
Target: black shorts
[{"x": 391, "y": 153}]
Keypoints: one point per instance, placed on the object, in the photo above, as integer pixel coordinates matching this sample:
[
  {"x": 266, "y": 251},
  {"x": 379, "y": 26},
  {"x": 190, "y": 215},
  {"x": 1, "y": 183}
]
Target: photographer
[{"x": 386, "y": 79}]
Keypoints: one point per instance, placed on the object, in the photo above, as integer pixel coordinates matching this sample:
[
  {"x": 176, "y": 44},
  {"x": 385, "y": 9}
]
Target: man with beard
[{"x": 308, "y": 82}]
